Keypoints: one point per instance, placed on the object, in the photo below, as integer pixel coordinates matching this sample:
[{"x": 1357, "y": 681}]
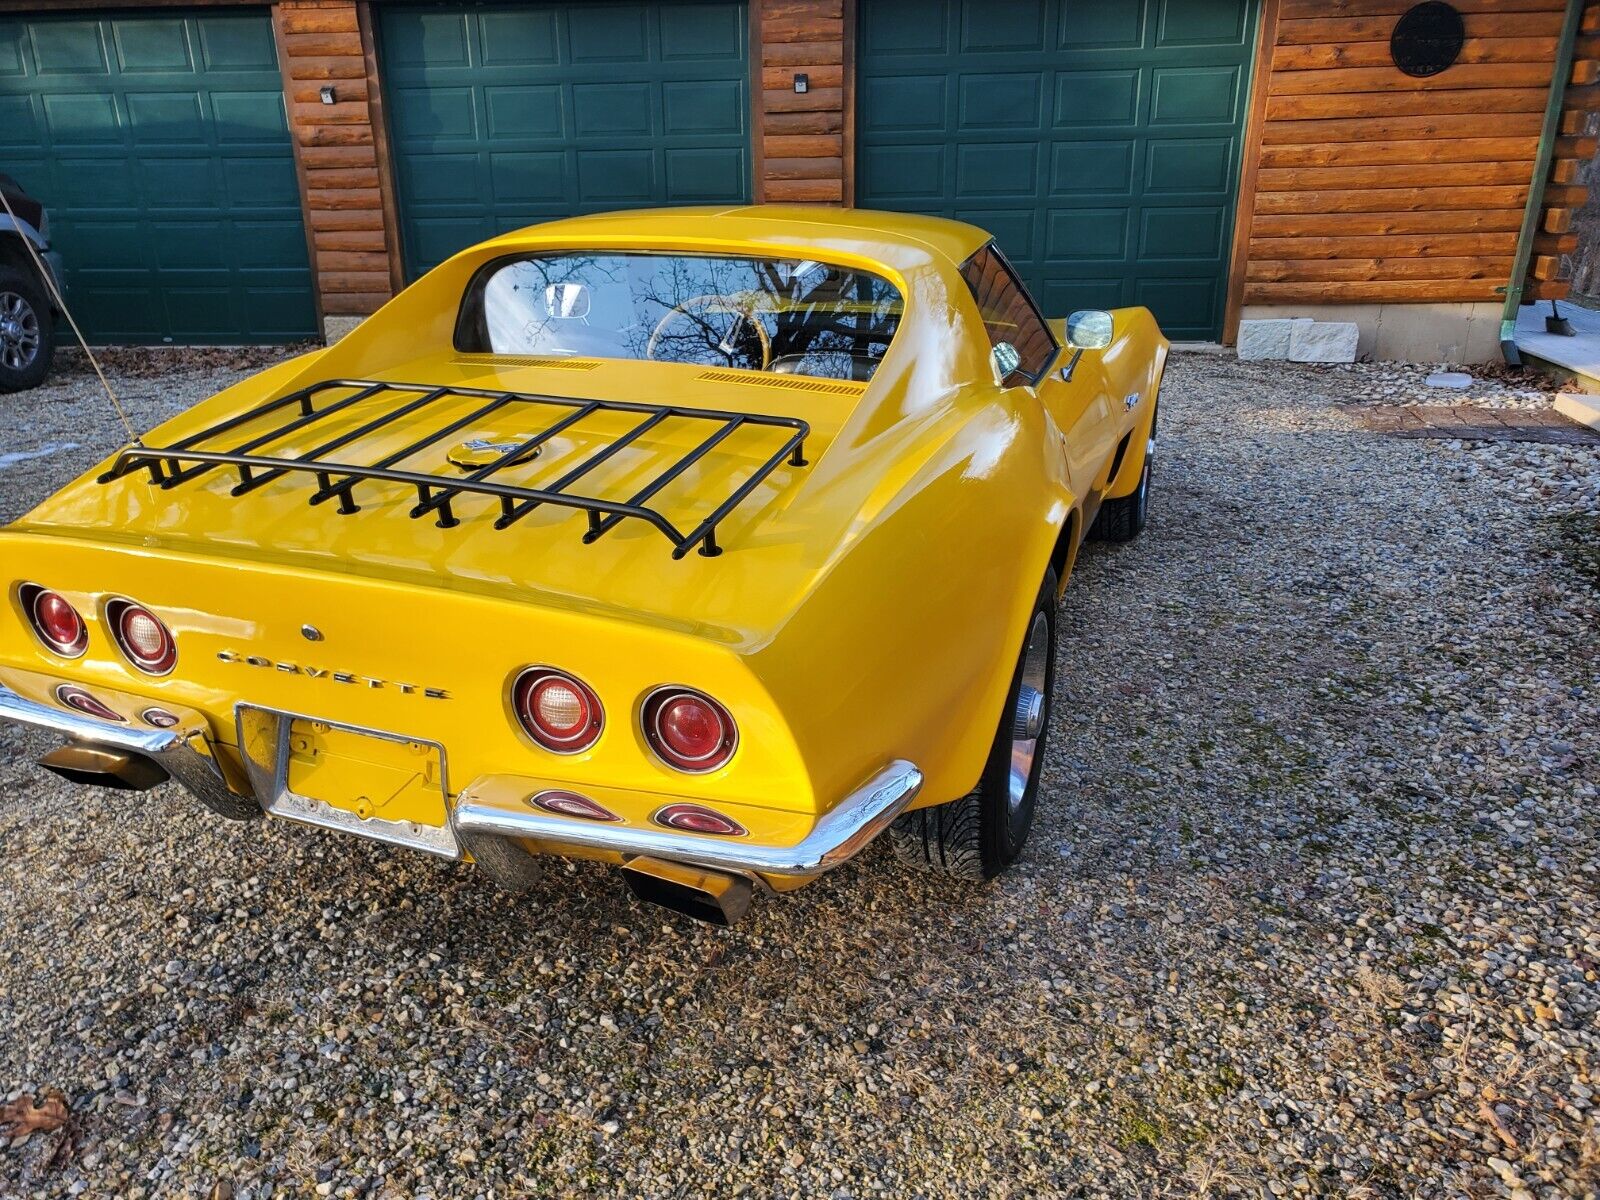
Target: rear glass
[{"x": 790, "y": 316}]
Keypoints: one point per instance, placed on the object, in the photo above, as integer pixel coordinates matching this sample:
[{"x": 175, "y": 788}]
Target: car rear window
[{"x": 790, "y": 316}]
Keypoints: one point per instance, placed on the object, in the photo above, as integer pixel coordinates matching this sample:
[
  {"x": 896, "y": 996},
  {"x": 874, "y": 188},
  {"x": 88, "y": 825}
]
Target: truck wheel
[
  {"x": 981, "y": 834},
  {"x": 26, "y": 332},
  {"x": 1123, "y": 519}
]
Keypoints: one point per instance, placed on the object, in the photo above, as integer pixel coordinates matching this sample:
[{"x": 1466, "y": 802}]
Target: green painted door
[
  {"x": 504, "y": 116},
  {"x": 159, "y": 147},
  {"x": 1098, "y": 140}
]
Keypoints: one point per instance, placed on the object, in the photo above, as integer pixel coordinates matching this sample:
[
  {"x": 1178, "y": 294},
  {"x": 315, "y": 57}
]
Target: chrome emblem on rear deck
[{"x": 349, "y": 677}]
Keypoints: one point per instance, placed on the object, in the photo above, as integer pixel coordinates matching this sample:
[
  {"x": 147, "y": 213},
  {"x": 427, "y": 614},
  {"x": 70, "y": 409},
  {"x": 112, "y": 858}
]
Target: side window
[{"x": 1008, "y": 311}]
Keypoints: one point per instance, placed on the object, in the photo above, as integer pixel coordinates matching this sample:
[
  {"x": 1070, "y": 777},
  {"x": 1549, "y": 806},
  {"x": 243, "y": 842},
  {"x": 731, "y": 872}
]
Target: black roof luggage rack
[{"x": 170, "y": 466}]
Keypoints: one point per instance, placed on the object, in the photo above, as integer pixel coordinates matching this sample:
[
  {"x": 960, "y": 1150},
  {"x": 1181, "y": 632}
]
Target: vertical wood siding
[
  {"x": 1371, "y": 186},
  {"x": 339, "y": 152}
]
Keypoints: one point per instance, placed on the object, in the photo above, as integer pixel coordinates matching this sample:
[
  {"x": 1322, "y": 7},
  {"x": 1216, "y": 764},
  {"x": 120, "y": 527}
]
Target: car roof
[{"x": 870, "y": 233}]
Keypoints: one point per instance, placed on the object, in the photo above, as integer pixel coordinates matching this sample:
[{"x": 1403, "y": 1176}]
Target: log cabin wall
[
  {"x": 1367, "y": 187},
  {"x": 341, "y": 156},
  {"x": 804, "y": 149}
]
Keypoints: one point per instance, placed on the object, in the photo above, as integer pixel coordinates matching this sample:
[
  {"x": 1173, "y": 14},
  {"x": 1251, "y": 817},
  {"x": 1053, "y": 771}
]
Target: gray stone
[
  {"x": 1324, "y": 342},
  {"x": 1456, "y": 380},
  {"x": 1267, "y": 339}
]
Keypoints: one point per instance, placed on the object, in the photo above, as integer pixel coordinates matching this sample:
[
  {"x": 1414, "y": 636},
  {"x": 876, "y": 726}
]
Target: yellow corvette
[{"x": 710, "y": 543}]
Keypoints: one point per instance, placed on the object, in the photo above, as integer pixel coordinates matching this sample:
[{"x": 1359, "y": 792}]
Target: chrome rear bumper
[
  {"x": 838, "y": 835},
  {"x": 183, "y": 752}
]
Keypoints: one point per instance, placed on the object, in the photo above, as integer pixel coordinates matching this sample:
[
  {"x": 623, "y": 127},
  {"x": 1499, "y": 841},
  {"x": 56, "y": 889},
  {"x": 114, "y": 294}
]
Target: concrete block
[
  {"x": 1267, "y": 339},
  {"x": 334, "y": 328},
  {"x": 1324, "y": 342},
  {"x": 1580, "y": 407}
]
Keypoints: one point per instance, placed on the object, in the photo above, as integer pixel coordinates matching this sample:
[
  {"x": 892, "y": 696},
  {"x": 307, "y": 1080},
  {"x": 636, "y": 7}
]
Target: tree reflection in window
[{"x": 791, "y": 316}]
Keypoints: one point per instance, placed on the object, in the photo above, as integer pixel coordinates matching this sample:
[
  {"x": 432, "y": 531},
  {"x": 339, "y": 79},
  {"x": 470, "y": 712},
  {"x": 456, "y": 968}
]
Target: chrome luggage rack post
[{"x": 183, "y": 461}]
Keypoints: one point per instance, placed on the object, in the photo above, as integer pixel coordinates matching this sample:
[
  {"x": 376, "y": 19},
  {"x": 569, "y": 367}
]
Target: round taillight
[
  {"x": 559, "y": 711},
  {"x": 159, "y": 718},
  {"x": 687, "y": 730},
  {"x": 80, "y": 700},
  {"x": 696, "y": 818},
  {"x": 55, "y": 622},
  {"x": 571, "y": 804},
  {"x": 143, "y": 639}
]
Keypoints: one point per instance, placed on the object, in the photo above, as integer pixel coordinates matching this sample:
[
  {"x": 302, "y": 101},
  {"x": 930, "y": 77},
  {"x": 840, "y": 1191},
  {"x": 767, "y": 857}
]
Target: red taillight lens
[
  {"x": 82, "y": 701},
  {"x": 571, "y": 804},
  {"x": 160, "y": 718},
  {"x": 695, "y": 818},
  {"x": 55, "y": 622},
  {"x": 688, "y": 730},
  {"x": 143, "y": 639},
  {"x": 559, "y": 711}
]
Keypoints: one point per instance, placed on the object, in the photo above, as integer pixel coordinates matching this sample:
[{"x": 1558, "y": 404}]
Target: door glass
[{"x": 1009, "y": 313}]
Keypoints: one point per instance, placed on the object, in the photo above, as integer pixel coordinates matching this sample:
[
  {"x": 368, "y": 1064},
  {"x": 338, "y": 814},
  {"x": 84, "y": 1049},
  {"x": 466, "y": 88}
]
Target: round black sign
[{"x": 1427, "y": 39}]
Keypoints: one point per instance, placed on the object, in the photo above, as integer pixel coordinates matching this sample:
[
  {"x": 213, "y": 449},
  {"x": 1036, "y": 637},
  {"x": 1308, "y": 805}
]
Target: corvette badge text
[{"x": 367, "y": 681}]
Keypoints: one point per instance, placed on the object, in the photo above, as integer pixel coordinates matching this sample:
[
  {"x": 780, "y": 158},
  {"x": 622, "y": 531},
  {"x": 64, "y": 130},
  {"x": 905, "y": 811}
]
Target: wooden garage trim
[
  {"x": 801, "y": 144},
  {"x": 1249, "y": 170},
  {"x": 346, "y": 188}
]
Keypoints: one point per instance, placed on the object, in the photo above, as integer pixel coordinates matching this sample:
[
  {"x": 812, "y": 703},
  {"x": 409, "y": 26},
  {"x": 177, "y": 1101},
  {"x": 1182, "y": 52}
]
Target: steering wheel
[{"x": 742, "y": 310}]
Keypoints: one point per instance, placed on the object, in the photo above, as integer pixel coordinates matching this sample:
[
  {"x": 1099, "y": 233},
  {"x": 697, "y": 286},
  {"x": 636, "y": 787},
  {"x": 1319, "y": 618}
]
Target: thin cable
[{"x": 60, "y": 303}]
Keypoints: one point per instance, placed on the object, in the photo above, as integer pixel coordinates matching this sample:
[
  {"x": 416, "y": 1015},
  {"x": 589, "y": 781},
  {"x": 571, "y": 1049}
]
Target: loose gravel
[{"x": 1310, "y": 908}]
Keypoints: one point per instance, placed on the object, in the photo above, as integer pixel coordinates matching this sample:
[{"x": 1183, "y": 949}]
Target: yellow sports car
[{"x": 709, "y": 543}]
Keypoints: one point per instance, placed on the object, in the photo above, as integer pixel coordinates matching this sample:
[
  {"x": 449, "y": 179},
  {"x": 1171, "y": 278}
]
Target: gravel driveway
[{"x": 1310, "y": 908}]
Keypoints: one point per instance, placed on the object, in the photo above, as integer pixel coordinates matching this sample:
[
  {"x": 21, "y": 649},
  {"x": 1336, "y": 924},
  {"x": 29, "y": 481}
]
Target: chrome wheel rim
[
  {"x": 19, "y": 332},
  {"x": 1027, "y": 719}
]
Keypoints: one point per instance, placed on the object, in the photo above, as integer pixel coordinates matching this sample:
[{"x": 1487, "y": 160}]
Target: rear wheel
[
  {"x": 983, "y": 833},
  {"x": 1123, "y": 519},
  {"x": 26, "y": 332}
]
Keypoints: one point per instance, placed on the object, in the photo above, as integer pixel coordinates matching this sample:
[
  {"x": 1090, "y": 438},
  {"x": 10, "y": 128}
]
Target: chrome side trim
[
  {"x": 184, "y": 751},
  {"x": 837, "y": 837}
]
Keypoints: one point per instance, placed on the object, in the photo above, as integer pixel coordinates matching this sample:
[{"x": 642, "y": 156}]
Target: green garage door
[
  {"x": 1098, "y": 140},
  {"x": 501, "y": 117},
  {"x": 159, "y": 147}
]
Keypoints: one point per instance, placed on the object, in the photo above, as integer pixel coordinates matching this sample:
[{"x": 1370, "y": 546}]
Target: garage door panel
[
  {"x": 152, "y": 45},
  {"x": 1186, "y": 23},
  {"x": 234, "y": 43},
  {"x": 11, "y": 35},
  {"x": 1100, "y": 168},
  {"x": 608, "y": 34},
  {"x": 704, "y": 176},
  {"x": 1016, "y": 26},
  {"x": 1064, "y": 296},
  {"x": 524, "y": 112},
  {"x": 531, "y": 178},
  {"x": 601, "y": 110},
  {"x": 75, "y": 48},
  {"x": 1194, "y": 95},
  {"x": 165, "y": 162},
  {"x": 550, "y": 109},
  {"x": 1000, "y": 101},
  {"x": 700, "y": 32},
  {"x": 1192, "y": 165},
  {"x": 702, "y": 106},
  {"x": 165, "y": 118},
  {"x": 82, "y": 119},
  {"x": 1099, "y": 142},
  {"x": 519, "y": 38},
  {"x": 19, "y": 124}
]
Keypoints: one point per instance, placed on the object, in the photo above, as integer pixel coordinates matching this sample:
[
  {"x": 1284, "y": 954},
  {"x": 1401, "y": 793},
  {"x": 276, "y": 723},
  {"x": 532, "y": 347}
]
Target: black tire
[
  {"x": 511, "y": 867},
  {"x": 27, "y": 332},
  {"x": 983, "y": 833},
  {"x": 1123, "y": 519}
]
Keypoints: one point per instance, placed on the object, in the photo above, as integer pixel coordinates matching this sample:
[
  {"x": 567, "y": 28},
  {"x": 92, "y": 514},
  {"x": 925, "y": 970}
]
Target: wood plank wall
[
  {"x": 1372, "y": 186},
  {"x": 804, "y": 142},
  {"x": 340, "y": 152}
]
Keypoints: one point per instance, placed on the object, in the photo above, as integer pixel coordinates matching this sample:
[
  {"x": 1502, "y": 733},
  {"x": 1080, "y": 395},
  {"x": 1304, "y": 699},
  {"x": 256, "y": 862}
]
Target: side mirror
[
  {"x": 569, "y": 301},
  {"x": 1005, "y": 360},
  {"x": 1089, "y": 329}
]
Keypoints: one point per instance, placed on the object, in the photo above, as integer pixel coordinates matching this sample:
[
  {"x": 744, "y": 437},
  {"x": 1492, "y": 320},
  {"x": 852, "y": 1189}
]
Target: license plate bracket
[{"x": 384, "y": 786}]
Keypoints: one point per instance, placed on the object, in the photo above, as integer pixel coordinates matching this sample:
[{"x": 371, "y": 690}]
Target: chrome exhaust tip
[
  {"x": 710, "y": 896},
  {"x": 103, "y": 766}
]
